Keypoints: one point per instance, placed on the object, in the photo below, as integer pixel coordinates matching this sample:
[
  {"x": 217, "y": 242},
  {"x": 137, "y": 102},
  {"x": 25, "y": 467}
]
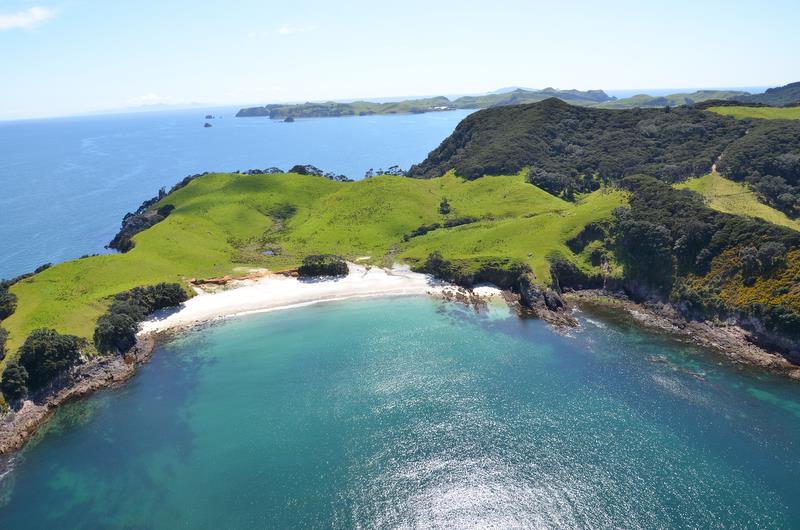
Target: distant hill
[
  {"x": 418, "y": 106},
  {"x": 576, "y": 148},
  {"x": 776, "y": 97},
  {"x": 673, "y": 100}
]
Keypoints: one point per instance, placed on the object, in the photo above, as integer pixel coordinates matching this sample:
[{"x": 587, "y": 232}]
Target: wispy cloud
[
  {"x": 25, "y": 19},
  {"x": 287, "y": 29}
]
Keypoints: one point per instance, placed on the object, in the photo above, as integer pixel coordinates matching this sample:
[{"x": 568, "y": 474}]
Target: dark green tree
[
  {"x": 46, "y": 353},
  {"x": 8, "y": 303},
  {"x": 14, "y": 383},
  {"x": 3, "y": 339},
  {"x": 115, "y": 333}
]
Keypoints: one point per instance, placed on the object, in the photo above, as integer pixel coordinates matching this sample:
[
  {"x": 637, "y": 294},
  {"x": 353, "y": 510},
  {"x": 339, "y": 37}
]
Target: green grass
[
  {"x": 222, "y": 223},
  {"x": 732, "y": 197},
  {"x": 528, "y": 238},
  {"x": 766, "y": 113}
]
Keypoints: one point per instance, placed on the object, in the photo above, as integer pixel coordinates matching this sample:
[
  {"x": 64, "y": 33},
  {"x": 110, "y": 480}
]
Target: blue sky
[{"x": 62, "y": 57}]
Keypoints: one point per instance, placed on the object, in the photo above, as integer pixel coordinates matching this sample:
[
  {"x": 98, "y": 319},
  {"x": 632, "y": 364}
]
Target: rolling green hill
[
  {"x": 765, "y": 113},
  {"x": 672, "y": 100},
  {"x": 223, "y": 223},
  {"x": 574, "y": 148}
]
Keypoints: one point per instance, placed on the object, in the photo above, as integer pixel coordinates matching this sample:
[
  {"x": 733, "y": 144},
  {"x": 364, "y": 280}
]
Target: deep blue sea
[
  {"x": 417, "y": 413},
  {"x": 67, "y": 182}
]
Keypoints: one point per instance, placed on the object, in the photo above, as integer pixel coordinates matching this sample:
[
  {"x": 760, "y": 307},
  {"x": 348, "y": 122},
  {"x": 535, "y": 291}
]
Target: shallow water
[
  {"x": 67, "y": 182},
  {"x": 412, "y": 412}
]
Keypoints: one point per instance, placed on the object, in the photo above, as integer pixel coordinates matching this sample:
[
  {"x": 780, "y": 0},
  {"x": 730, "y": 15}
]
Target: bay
[{"x": 413, "y": 412}]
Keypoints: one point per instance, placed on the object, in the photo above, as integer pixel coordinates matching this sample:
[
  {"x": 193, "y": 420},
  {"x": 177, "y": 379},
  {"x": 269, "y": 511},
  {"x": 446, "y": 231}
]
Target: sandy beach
[{"x": 276, "y": 291}]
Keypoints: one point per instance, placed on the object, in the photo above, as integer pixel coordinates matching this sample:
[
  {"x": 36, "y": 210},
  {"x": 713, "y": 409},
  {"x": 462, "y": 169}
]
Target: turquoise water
[
  {"x": 411, "y": 412},
  {"x": 67, "y": 182}
]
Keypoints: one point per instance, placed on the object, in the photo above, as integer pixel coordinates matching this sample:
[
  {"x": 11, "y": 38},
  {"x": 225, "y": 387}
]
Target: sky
[{"x": 63, "y": 57}]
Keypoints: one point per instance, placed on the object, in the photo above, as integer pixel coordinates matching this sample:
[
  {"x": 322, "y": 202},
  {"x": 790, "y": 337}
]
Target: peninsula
[{"x": 690, "y": 211}]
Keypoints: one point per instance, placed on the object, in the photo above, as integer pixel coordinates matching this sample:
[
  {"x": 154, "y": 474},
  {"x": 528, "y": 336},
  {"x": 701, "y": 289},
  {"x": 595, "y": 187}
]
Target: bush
[
  {"x": 115, "y": 331},
  {"x": 8, "y": 303},
  {"x": 323, "y": 265},
  {"x": 14, "y": 383},
  {"x": 3, "y": 339},
  {"x": 46, "y": 353},
  {"x": 645, "y": 250}
]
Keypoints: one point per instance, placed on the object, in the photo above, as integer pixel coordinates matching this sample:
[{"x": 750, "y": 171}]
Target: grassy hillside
[
  {"x": 767, "y": 113},
  {"x": 223, "y": 223},
  {"x": 672, "y": 100},
  {"x": 777, "y": 96},
  {"x": 732, "y": 197}
]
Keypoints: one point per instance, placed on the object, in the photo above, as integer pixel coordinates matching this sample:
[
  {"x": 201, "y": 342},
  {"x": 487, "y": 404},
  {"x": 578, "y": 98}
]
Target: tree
[
  {"x": 115, "y": 333},
  {"x": 8, "y": 303},
  {"x": 444, "y": 206},
  {"x": 771, "y": 254},
  {"x": 646, "y": 252},
  {"x": 3, "y": 338},
  {"x": 46, "y": 353},
  {"x": 14, "y": 383},
  {"x": 323, "y": 265}
]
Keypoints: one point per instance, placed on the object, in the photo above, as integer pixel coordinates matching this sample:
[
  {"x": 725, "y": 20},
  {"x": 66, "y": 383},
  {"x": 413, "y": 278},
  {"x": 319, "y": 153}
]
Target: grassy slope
[
  {"x": 645, "y": 100},
  {"x": 222, "y": 222},
  {"x": 768, "y": 113},
  {"x": 728, "y": 196}
]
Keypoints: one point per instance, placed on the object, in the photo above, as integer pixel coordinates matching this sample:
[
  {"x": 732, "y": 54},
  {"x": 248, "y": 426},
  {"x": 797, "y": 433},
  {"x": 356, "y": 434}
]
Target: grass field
[
  {"x": 728, "y": 196},
  {"x": 767, "y": 113},
  {"x": 223, "y": 223}
]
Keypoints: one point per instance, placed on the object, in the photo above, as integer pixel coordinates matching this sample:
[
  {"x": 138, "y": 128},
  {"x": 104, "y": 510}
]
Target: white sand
[{"x": 280, "y": 292}]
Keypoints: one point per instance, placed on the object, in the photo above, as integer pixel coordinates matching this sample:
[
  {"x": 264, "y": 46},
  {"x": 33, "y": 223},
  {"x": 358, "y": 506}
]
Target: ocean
[
  {"x": 67, "y": 182},
  {"x": 418, "y": 413}
]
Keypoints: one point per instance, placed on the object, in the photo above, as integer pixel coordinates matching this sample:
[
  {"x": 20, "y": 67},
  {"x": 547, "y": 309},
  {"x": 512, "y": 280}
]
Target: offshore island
[{"x": 687, "y": 215}]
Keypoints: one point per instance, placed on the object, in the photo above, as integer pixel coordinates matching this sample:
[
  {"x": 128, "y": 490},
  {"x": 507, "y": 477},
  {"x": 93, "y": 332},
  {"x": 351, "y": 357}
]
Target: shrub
[
  {"x": 771, "y": 254},
  {"x": 8, "y": 303},
  {"x": 115, "y": 331},
  {"x": 3, "y": 339},
  {"x": 323, "y": 265},
  {"x": 14, "y": 383},
  {"x": 46, "y": 353},
  {"x": 444, "y": 206}
]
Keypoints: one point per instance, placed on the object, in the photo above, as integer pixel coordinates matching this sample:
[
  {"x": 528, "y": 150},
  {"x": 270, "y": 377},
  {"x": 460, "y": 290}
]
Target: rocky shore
[
  {"x": 17, "y": 426},
  {"x": 730, "y": 340}
]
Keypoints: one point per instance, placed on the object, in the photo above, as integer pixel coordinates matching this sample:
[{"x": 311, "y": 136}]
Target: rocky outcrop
[
  {"x": 728, "y": 338},
  {"x": 544, "y": 302},
  {"x": 19, "y": 424}
]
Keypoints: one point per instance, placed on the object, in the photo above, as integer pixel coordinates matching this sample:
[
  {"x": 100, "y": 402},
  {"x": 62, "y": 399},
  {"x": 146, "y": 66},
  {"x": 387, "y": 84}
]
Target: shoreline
[
  {"x": 729, "y": 340},
  {"x": 265, "y": 293},
  {"x": 275, "y": 292}
]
